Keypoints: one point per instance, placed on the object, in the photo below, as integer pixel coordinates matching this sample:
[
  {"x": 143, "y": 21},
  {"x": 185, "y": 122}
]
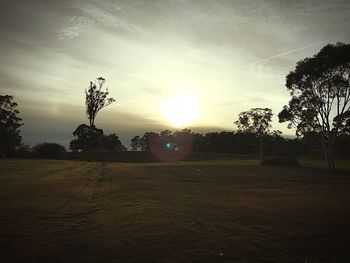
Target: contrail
[
  {"x": 250, "y": 64},
  {"x": 290, "y": 51}
]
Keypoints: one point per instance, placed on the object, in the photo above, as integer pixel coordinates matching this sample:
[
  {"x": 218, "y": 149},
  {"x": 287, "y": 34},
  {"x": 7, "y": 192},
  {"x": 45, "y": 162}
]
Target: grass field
[{"x": 213, "y": 211}]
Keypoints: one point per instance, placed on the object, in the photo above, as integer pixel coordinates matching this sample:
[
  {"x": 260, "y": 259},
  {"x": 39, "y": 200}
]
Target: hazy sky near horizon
[{"x": 225, "y": 56}]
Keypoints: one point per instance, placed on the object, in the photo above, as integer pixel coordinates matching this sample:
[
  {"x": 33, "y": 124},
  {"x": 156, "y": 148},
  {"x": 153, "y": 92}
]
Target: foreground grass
[{"x": 219, "y": 211}]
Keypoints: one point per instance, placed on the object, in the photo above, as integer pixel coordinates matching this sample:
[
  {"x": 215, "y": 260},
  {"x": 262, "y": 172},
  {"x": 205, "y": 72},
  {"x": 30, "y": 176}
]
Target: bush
[
  {"x": 281, "y": 161},
  {"x": 24, "y": 151},
  {"x": 49, "y": 150}
]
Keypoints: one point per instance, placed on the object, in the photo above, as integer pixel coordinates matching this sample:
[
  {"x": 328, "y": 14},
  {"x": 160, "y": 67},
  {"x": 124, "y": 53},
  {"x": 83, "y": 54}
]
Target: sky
[{"x": 169, "y": 64}]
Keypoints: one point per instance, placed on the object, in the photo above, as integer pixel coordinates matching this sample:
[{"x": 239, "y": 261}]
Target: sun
[{"x": 181, "y": 110}]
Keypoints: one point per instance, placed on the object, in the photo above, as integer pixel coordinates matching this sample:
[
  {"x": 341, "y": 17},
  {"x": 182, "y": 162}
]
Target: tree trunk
[
  {"x": 92, "y": 122},
  {"x": 324, "y": 148},
  {"x": 328, "y": 152},
  {"x": 327, "y": 147}
]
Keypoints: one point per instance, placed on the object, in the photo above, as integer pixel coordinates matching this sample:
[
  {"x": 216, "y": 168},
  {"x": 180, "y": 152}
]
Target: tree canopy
[
  {"x": 320, "y": 96},
  {"x": 10, "y": 137},
  {"x": 256, "y": 121},
  {"x": 89, "y": 138},
  {"x": 135, "y": 143}
]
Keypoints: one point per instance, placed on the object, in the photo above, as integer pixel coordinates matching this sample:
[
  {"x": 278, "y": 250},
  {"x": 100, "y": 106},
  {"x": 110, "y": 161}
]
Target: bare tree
[{"x": 96, "y": 99}]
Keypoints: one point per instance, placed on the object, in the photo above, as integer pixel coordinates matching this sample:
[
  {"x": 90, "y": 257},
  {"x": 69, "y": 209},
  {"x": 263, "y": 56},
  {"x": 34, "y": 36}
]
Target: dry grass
[{"x": 213, "y": 211}]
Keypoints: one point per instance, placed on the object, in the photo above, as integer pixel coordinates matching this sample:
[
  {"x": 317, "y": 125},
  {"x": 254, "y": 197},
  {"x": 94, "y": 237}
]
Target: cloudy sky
[{"x": 168, "y": 63}]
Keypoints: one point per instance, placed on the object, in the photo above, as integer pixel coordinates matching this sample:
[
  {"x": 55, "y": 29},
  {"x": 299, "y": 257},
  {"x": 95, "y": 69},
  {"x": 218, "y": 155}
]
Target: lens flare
[{"x": 176, "y": 150}]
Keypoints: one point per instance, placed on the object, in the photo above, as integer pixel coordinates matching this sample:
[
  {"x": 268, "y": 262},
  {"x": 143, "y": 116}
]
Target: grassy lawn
[{"x": 213, "y": 211}]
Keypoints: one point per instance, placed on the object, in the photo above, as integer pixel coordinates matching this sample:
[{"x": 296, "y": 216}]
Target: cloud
[
  {"x": 231, "y": 54},
  {"x": 94, "y": 16},
  {"x": 77, "y": 25}
]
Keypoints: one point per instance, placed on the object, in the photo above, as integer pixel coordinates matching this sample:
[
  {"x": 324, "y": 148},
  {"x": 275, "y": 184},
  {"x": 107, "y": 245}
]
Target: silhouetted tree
[
  {"x": 183, "y": 140},
  {"x": 111, "y": 142},
  {"x": 120, "y": 148},
  {"x": 96, "y": 99},
  {"x": 198, "y": 142},
  {"x": 256, "y": 121},
  {"x": 135, "y": 143},
  {"x": 165, "y": 141},
  {"x": 147, "y": 140},
  {"x": 89, "y": 138},
  {"x": 9, "y": 123},
  {"x": 320, "y": 91},
  {"x": 23, "y": 151},
  {"x": 49, "y": 150}
]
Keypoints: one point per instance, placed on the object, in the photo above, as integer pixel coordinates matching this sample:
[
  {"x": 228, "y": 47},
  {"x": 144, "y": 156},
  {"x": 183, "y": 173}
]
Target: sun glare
[{"x": 181, "y": 110}]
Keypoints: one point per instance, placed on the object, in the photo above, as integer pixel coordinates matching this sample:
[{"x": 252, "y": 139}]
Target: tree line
[
  {"x": 238, "y": 142},
  {"x": 319, "y": 111}
]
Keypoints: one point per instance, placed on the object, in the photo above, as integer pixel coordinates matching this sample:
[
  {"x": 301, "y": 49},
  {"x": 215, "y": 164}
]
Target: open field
[{"x": 213, "y": 211}]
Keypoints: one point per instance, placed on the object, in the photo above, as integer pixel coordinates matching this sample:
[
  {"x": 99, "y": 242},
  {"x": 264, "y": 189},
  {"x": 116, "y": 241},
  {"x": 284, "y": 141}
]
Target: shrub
[
  {"x": 24, "y": 151},
  {"x": 50, "y": 150}
]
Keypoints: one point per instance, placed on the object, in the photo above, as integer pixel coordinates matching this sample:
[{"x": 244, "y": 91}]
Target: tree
[
  {"x": 135, "y": 143},
  {"x": 198, "y": 142},
  {"x": 147, "y": 141},
  {"x": 320, "y": 91},
  {"x": 183, "y": 140},
  {"x": 10, "y": 137},
  {"x": 256, "y": 121},
  {"x": 96, "y": 99},
  {"x": 49, "y": 150},
  {"x": 111, "y": 142},
  {"x": 89, "y": 138},
  {"x": 120, "y": 148},
  {"x": 165, "y": 141}
]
